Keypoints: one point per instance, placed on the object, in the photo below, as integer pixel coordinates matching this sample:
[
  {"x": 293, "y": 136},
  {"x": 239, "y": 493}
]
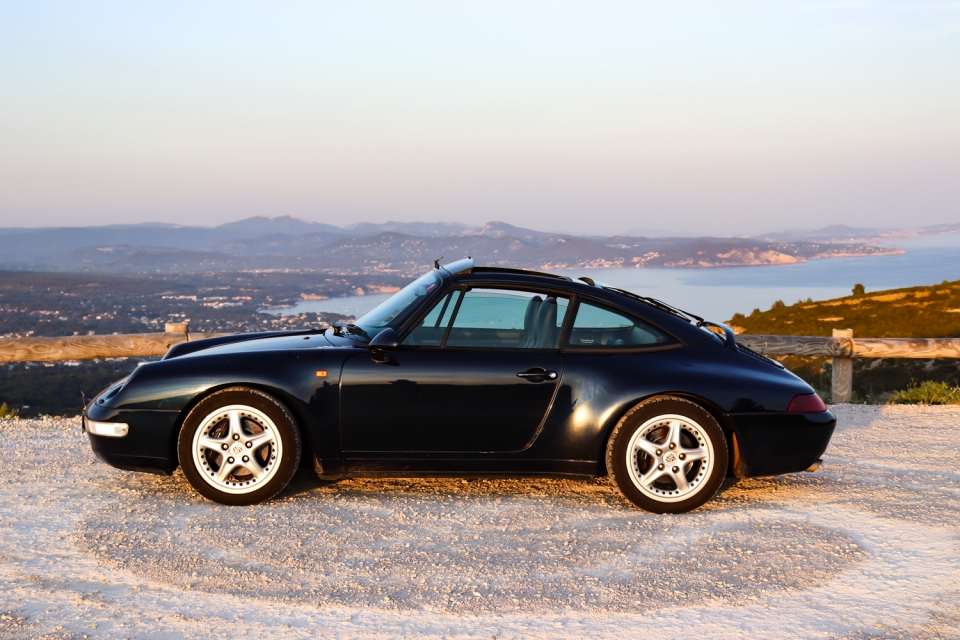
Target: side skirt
[{"x": 434, "y": 467}]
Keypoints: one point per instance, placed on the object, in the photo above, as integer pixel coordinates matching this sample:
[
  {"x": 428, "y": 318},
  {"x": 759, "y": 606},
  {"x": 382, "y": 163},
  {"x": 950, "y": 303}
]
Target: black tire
[
  {"x": 257, "y": 435},
  {"x": 673, "y": 481}
]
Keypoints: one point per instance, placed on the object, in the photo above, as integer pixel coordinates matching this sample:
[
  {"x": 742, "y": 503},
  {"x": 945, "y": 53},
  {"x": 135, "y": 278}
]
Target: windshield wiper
[{"x": 344, "y": 328}]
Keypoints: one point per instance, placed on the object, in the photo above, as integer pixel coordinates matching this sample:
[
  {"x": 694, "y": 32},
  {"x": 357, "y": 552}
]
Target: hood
[{"x": 266, "y": 341}]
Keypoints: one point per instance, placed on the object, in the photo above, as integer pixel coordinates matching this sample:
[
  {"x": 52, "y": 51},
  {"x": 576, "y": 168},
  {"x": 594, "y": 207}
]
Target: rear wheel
[
  {"x": 667, "y": 455},
  {"x": 239, "y": 446}
]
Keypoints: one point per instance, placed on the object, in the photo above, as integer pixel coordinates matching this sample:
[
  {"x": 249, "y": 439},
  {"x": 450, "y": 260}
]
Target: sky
[{"x": 722, "y": 118}]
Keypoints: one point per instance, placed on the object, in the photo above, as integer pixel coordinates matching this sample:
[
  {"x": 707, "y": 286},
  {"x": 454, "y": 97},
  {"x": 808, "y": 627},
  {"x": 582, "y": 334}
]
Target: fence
[
  {"x": 841, "y": 347},
  {"x": 131, "y": 345}
]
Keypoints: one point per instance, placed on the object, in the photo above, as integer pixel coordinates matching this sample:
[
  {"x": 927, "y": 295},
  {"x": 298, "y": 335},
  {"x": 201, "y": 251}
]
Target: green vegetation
[
  {"x": 914, "y": 312},
  {"x": 927, "y": 392},
  {"x": 7, "y": 412}
]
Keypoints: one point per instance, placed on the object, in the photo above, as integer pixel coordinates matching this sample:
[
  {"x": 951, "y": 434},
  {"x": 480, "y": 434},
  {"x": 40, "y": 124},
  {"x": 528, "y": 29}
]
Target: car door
[{"x": 477, "y": 374}]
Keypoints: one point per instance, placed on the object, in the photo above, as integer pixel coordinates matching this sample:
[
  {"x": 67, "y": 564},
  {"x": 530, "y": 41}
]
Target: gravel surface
[{"x": 866, "y": 547}]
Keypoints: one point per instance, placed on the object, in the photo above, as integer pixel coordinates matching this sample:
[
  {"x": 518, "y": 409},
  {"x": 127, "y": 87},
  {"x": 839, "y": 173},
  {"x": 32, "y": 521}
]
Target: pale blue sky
[{"x": 601, "y": 117}]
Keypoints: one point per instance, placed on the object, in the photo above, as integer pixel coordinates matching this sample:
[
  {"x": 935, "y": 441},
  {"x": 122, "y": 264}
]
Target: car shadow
[{"x": 305, "y": 480}]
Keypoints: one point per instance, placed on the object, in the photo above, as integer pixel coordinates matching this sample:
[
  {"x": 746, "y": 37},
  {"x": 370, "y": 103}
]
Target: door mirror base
[
  {"x": 386, "y": 340},
  {"x": 379, "y": 356}
]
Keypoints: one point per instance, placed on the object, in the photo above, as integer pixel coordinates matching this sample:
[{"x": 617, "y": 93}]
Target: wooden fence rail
[
  {"x": 841, "y": 347},
  {"x": 131, "y": 345}
]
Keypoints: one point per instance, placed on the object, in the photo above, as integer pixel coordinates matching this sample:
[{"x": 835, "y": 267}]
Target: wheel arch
[
  {"x": 300, "y": 417},
  {"x": 710, "y": 407}
]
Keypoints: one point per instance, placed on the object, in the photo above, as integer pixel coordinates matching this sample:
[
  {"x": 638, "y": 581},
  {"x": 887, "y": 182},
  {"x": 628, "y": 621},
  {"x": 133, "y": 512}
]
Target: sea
[{"x": 718, "y": 293}]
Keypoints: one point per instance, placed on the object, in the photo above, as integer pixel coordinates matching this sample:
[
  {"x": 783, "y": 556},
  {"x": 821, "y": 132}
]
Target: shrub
[
  {"x": 858, "y": 289},
  {"x": 7, "y": 412},
  {"x": 928, "y": 392}
]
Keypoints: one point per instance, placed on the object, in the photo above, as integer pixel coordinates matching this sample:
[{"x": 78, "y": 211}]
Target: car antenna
[{"x": 436, "y": 263}]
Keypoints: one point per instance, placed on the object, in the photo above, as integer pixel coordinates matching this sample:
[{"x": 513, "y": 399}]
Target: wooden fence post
[
  {"x": 842, "y": 390},
  {"x": 177, "y": 327}
]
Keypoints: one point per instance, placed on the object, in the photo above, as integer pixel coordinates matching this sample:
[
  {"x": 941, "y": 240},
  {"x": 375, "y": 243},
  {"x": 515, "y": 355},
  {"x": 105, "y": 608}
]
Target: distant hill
[
  {"x": 423, "y": 229},
  {"x": 920, "y": 312},
  {"x": 262, "y": 243},
  {"x": 845, "y": 233},
  {"x": 289, "y": 225}
]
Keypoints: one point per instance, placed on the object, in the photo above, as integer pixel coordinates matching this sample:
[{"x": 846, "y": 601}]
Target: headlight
[{"x": 108, "y": 429}]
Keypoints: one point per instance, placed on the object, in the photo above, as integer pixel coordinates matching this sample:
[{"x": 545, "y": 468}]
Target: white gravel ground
[{"x": 869, "y": 546}]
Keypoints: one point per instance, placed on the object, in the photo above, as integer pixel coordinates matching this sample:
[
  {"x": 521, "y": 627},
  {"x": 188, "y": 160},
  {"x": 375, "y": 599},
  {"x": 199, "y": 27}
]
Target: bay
[{"x": 718, "y": 293}]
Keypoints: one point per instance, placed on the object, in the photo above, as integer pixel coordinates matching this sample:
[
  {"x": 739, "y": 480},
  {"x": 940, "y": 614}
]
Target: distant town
[{"x": 64, "y": 304}]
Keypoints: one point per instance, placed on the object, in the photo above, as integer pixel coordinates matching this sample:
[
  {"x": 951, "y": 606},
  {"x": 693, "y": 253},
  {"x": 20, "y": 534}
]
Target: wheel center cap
[
  {"x": 236, "y": 449},
  {"x": 670, "y": 458}
]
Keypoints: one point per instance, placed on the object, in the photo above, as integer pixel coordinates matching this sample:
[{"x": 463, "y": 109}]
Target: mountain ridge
[{"x": 262, "y": 243}]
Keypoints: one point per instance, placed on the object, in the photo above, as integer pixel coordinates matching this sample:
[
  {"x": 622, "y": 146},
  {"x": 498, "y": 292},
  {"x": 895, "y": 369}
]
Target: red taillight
[{"x": 807, "y": 403}]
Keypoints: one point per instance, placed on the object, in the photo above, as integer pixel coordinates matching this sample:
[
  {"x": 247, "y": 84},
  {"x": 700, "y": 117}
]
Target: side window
[
  {"x": 429, "y": 333},
  {"x": 596, "y": 327},
  {"x": 507, "y": 319}
]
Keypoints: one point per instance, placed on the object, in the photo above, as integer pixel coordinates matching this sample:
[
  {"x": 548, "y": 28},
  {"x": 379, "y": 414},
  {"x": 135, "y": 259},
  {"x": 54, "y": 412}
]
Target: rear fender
[{"x": 725, "y": 424}]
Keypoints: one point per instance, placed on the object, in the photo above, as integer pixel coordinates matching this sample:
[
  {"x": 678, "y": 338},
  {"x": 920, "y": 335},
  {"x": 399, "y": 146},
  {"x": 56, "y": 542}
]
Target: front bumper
[
  {"x": 768, "y": 444},
  {"x": 150, "y": 444}
]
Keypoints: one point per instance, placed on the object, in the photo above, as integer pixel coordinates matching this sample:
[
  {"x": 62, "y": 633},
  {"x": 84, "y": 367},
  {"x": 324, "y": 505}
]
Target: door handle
[{"x": 533, "y": 374}]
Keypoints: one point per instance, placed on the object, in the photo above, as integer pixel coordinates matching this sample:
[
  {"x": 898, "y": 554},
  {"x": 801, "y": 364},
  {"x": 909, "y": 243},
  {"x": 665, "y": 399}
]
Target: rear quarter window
[{"x": 599, "y": 327}]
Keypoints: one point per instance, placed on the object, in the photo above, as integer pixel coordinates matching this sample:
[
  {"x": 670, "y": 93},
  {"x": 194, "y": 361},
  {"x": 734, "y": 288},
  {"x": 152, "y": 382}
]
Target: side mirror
[{"x": 386, "y": 340}]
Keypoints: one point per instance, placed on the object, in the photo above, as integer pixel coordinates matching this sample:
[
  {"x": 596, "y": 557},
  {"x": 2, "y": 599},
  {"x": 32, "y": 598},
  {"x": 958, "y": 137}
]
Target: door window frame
[
  {"x": 464, "y": 289},
  {"x": 563, "y": 345}
]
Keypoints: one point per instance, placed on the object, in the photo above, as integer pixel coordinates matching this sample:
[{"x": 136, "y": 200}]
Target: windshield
[{"x": 392, "y": 311}]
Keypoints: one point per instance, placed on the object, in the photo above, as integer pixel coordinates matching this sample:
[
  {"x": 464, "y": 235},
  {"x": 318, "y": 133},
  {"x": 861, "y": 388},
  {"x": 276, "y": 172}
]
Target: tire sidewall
[
  {"x": 286, "y": 430},
  {"x": 634, "y": 420}
]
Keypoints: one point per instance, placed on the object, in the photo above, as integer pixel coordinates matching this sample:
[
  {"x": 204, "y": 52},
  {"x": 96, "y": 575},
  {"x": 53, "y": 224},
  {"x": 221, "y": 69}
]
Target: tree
[{"x": 858, "y": 289}]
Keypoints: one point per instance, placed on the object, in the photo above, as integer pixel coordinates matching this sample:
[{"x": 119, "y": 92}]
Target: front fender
[{"x": 307, "y": 381}]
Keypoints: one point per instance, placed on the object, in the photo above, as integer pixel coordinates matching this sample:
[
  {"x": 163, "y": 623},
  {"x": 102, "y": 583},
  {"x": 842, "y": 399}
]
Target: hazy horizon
[
  {"x": 648, "y": 232},
  {"x": 690, "y": 118}
]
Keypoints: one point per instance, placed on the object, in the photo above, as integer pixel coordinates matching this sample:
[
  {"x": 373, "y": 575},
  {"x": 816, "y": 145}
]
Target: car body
[{"x": 450, "y": 377}]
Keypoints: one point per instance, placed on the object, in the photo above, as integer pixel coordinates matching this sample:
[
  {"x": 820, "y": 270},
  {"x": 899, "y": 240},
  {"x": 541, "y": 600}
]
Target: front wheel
[
  {"x": 667, "y": 455},
  {"x": 239, "y": 446}
]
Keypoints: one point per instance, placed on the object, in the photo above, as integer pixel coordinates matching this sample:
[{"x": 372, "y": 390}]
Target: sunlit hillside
[{"x": 920, "y": 312}]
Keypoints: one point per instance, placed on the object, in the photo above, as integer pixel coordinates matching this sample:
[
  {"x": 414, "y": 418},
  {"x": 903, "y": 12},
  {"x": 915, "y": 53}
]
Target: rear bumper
[
  {"x": 768, "y": 444},
  {"x": 150, "y": 445}
]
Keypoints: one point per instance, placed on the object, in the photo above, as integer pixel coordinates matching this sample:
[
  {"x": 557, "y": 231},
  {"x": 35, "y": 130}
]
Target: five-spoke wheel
[
  {"x": 239, "y": 446},
  {"x": 667, "y": 455}
]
